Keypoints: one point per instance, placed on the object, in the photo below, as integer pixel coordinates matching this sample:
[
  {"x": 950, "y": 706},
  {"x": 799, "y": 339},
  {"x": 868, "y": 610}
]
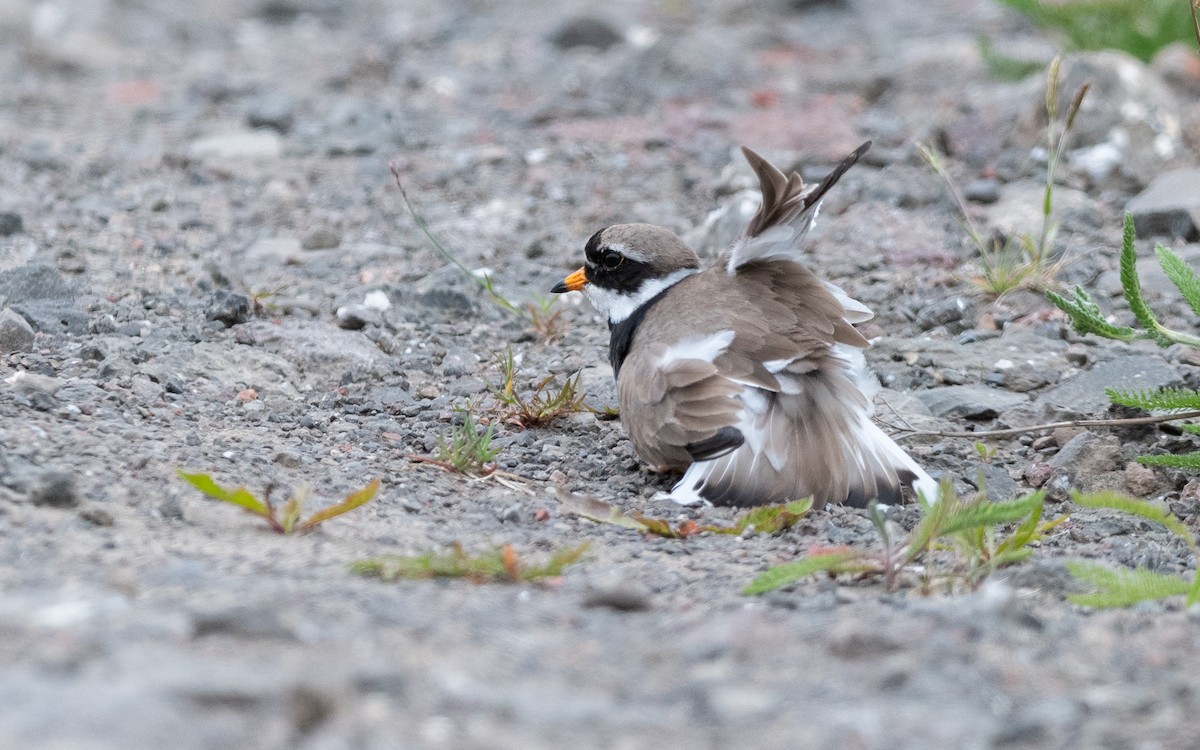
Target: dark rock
[
  {"x": 244, "y": 621},
  {"x": 585, "y": 31},
  {"x": 96, "y": 516},
  {"x": 1084, "y": 394},
  {"x": 10, "y": 224},
  {"x": 55, "y": 489},
  {"x": 982, "y": 191},
  {"x": 944, "y": 312},
  {"x": 1169, "y": 207},
  {"x": 619, "y": 594},
  {"x": 968, "y": 401},
  {"x": 355, "y": 317},
  {"x": 228, "y": 307},
  {"x": 1025, "y": 377},
  {"x": 16, "y": 335}
]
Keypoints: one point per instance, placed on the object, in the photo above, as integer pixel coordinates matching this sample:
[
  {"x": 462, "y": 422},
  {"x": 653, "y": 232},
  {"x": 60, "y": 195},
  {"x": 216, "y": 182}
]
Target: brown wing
[{"x": 676, "y": 404}]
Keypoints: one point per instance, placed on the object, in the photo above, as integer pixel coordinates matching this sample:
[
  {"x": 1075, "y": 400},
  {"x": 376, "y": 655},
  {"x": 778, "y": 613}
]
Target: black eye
[{"x": 611, "y": 259}]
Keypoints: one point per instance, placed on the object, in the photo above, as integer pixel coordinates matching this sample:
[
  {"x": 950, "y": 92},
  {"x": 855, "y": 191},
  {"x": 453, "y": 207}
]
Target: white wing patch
[
  {"x": 704, "y": 348},
  {"x": 780, "y": 241},
  {"x": 856, "y": 312}
]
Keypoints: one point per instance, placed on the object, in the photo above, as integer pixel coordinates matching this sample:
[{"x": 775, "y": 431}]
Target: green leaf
[
  {"x": 352, "y": 501},
  {"x": 1134, "y": 507},
  {"x": 1133, "y": 287},
  {"x": 1156, "y": 399},
  {"x": 1121, "y": 587},
  {"x": 1086, "y": 318},
  {"x": 240, "y": 496},
  {"x": 1180, "y": 275},
  {"x": 771, "y": 519},
  {"x": 781, "y": 575}
]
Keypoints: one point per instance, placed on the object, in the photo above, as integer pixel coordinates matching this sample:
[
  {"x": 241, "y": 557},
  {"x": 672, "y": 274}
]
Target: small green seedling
[
  {"x": 544, "y": 404},
  {"x": 467, "y": 448},
  {"x": 499, "y": 565},
  {"x": 286, "y": 518}
]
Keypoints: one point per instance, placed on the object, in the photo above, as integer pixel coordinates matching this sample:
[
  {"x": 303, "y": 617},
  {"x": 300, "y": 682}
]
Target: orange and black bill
[{"x": 572, "y": 283}]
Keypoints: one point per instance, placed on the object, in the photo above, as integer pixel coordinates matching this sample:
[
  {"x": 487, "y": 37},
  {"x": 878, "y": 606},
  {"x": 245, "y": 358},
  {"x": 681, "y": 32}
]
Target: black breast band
[{"x": 622, "y": 333}]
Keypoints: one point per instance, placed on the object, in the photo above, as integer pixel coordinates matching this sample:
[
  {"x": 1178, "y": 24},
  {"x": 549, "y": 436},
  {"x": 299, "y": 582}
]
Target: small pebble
[
  {"x": 55, "y": 489},
  {"x": 96, "y": 515}
]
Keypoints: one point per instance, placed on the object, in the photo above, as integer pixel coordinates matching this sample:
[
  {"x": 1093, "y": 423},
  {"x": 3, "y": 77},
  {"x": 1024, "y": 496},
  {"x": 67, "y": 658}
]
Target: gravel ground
[{"x": 189, "y": 195}]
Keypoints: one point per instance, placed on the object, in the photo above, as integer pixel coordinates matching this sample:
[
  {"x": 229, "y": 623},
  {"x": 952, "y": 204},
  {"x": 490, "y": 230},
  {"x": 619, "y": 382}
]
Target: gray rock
[
  {"x": 355, "y": 317},
  {"x": 55, "y": 489},
  {"x": 228, "y": 307},
  {"x": 276, "y": 111},
  {"x": 10, "y": 224},
  {"x": 321, "y": 238},
  {"x": 16, "y": 335},
  {"x": 257, "y": 144},
  {"x": 997, "y": 484},
  {"x": 968, "y": 401},
  {"x": 1084, "y": 394},
  {"x": 1087, "y": 454},
  {"x": 35, "y": 282},
  {"x": 585, "y": 31},
  {"x": 1170, "y": 206}
]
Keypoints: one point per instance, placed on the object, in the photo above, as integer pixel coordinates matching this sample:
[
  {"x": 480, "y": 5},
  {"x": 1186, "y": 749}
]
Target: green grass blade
[
  {"x": 984, "y": 513},
  {"x": 1122, "y": 587},
  {"x": 239, "y": 496},
  {"x": 1132, "y": 286},
  {"x": 1134, "y": 507},
  {"x": 781, "y": 575}
]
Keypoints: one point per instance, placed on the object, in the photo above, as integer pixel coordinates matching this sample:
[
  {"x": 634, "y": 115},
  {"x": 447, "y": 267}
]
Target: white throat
[{"x": 617, "y": 306}]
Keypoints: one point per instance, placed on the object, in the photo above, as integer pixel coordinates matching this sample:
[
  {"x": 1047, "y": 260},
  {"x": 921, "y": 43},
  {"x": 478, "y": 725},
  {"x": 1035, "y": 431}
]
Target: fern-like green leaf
[
  {"x": 1180, "y": 274},
  {"x": 1193, "y": 429},
  {"x": 1157, "y": 399},
  {"x": 985, "y": 513},
  {"x": 1133, "y": 287},
  {"x": 782, "y": 575},
  {"x": 1172, "y": 461},
  {"x": 1122, "y": 587},
  {"x": 1134, "y": 507},
  {"x": 1086, "y": 318}
]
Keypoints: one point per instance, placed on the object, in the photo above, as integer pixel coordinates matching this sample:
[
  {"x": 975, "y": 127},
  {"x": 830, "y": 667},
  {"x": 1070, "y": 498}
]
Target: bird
[{"x": 745, "y": 376}]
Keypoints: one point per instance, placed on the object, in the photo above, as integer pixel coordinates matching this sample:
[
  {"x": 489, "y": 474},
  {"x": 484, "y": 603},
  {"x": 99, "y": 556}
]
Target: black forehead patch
[{"x": 592, "y": 249}]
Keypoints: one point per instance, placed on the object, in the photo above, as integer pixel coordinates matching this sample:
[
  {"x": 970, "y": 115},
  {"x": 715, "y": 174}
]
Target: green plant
[
  {"x": 544, "y": 404},
  {"x": 546, "y": 325},
  {"x": 467, "y": 447},
  {"x": 1026, "y": 260},
  {"x": 285, "y": 519},
  {"x": 1121, "y": 586},
  {"x": 499, "y": 565},
  {"x": 1139, "y": 27},
  {"x": 966, "y": 527},
  {"x": 1086, "y": 318},
  {"x": 1085, "y": 315}
]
